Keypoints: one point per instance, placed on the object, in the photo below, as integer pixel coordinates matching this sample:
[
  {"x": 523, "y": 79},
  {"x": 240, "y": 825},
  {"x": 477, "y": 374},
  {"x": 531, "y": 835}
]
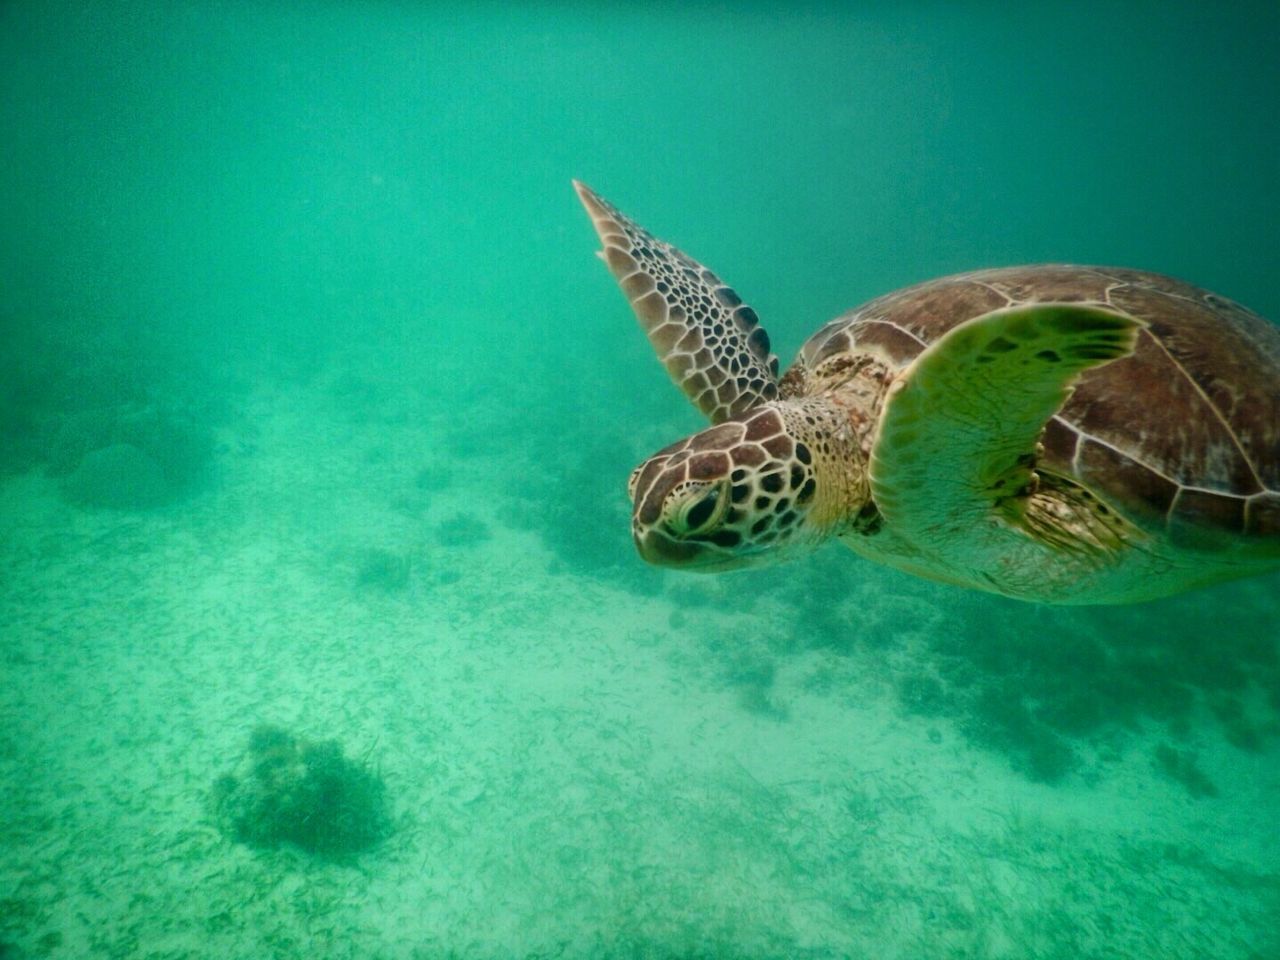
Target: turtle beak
[{"x": 663, "y": 551}]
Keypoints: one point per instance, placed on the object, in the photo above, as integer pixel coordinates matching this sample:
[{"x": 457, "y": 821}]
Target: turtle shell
[{"x": 1183, "y": 435}]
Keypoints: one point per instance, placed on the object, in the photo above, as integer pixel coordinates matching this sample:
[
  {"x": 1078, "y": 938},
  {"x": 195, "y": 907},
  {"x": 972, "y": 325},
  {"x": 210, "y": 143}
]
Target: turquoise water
[{"x": 316, "y": 413}]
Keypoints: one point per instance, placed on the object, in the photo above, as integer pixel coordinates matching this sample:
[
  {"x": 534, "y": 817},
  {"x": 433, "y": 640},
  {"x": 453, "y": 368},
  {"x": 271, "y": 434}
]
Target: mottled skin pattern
[
  {"x": 708, "y": 339},
  {"x": 1056, "y": 433},
  {"x": 744, "y": 489}
]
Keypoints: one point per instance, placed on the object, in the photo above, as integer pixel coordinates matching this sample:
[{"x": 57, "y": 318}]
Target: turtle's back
[{"x": 1183, "y": 435}]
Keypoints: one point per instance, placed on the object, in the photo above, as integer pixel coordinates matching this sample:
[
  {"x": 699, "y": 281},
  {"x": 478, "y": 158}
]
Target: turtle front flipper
[
  {"x": 711, "y": 342},
  {"x": 956, "y": 448}
]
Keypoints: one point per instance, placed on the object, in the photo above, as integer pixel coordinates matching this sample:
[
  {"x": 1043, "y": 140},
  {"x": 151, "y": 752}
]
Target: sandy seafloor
[{"x": 579, "y": 767}]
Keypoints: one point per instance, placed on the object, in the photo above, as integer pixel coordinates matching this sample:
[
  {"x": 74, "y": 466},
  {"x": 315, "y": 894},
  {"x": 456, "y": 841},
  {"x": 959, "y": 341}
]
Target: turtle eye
[{"x": 699, "y": 515}]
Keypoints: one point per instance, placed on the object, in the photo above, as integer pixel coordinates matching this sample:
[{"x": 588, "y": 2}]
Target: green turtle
[{"x": 1056, "y": 433}]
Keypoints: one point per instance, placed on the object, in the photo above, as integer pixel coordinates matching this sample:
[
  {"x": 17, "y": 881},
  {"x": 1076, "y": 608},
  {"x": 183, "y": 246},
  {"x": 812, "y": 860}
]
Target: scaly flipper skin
[
  {"x": 708, "y": 339},
  {"x": 957, "y": 443}
]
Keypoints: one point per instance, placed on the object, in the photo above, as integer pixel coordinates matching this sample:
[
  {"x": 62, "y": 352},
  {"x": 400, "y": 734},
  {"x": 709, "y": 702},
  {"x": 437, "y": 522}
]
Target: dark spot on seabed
[
  {"x": 302, "y": 793},
  {"x": 462, "y": 530},
  {"x": 1068, "y": 695},
  {"x": 1181, "y": 767},
  {"x": 383, "y": 571}
]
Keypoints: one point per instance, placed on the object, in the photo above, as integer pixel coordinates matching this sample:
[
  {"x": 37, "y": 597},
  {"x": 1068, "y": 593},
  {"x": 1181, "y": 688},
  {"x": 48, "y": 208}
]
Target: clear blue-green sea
[{"x": 322, "y": 634}]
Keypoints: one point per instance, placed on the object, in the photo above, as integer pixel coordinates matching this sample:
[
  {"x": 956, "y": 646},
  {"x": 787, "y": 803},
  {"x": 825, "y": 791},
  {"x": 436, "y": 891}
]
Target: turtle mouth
[{"x": 662, "y": 550}]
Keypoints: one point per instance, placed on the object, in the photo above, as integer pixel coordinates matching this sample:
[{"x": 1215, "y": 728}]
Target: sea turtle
[{"x": 1058, "y": 433}]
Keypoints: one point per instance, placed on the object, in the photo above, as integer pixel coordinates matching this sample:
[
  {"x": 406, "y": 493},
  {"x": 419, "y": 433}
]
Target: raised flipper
[
  {"x": 711, "y": 342},
  {"x": 957, "y": 442}
]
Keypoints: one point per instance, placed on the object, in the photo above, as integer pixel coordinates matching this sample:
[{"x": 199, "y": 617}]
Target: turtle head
[{"x": 735, "y": 495}]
